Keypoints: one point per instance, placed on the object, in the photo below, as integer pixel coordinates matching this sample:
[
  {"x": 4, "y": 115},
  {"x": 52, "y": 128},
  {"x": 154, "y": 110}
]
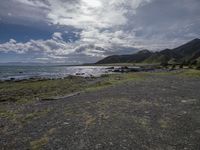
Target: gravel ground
[{"x": 161, "y": 112}]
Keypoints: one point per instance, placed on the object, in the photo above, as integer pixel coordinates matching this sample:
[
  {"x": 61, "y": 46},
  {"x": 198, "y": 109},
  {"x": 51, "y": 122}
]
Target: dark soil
[{"x": 161, "y": 112}]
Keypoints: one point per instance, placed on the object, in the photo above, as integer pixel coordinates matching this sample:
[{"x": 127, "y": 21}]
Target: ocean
[{"x": 49, "y": 72}]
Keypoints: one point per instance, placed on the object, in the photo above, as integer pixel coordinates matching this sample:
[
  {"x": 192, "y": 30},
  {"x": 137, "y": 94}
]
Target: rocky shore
[{"x": 157, "y": 111}]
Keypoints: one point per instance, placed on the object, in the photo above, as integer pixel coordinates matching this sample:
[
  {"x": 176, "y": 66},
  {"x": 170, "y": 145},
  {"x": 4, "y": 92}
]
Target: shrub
[
  {"x": 193, "y": 62},
  {"x": 173, "y": 67},
  {"x": 181, "y": 66},
  {"x": 198, "y": 66},
  {"x": 164, "y": 64},
  {"x": 184, "y": 63}
]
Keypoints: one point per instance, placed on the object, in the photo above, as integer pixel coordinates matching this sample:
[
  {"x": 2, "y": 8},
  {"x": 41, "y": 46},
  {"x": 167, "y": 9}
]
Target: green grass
[
  {"x": 182, "y": 73},
  {"x": 8, "y": 114},
  {"x": 27, "y": 91},
  {"x": 191, "y": 73},
  {"x": 21, "y": 118},
  {"x": 30, "y": 90},
  {"x": 34, "y": 115},
  {"x": 114, "y": 79},
  {"x": 40, "y": 143}
]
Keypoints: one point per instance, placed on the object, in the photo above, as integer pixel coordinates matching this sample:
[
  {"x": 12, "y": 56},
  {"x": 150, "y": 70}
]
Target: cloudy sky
[{"x": 82, "y": 31}]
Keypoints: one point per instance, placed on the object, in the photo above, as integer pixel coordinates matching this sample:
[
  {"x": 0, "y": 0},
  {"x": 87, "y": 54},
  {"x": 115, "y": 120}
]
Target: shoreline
[
  {"x": 32, "y": 89},
  {"x": 106, "y": 69},
  {"x": 26, "y": 90},
  {"x": 155, "y": 108}
]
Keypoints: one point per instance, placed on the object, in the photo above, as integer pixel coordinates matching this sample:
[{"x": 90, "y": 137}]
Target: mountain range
[{"x": 189, "y": 52}]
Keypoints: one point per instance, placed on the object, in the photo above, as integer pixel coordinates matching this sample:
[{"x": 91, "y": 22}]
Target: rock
[
  {"x": 110, "y": 68},
  {"x": 127, "y": 69},
  {"x": 80, "y": 74},
  {"x": 12, "y": 79},
  {"x": 98, "y": 146},
  {"x": 124, "y": 67},
  {"x": 66, "y": 123}
]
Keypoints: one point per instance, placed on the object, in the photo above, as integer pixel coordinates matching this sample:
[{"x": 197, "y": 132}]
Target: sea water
[{"x": 51, "y": 72}]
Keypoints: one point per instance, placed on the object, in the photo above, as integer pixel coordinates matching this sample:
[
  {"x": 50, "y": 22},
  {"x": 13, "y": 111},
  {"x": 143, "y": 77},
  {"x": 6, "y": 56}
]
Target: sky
[{"x": 85, "y": 31}]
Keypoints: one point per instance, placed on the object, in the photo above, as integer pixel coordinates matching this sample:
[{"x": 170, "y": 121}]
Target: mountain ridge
[{"x": 188, "y": 52}]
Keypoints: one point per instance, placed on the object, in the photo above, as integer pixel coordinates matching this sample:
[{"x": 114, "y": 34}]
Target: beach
[{"x": 152, "y": 110}]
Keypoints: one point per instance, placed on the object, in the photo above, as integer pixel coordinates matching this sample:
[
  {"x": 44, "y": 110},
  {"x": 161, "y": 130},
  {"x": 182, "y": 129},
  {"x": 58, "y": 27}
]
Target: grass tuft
[{"x": 27, "y": 91}]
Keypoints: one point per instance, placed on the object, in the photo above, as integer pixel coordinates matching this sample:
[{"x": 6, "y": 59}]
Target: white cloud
[
  {"x": 55, "y": 48},
  {"x": 35, "y": 3},
  {"x": 105, "y": 27},
  {"x": 91, "y": 13},
  {"x": 57, "y": 36},
  {"x": 52, "y": 46}
]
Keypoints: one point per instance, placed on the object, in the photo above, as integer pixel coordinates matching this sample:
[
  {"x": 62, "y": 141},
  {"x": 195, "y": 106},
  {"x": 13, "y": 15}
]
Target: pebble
[{"x": 66, "y": 123}]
